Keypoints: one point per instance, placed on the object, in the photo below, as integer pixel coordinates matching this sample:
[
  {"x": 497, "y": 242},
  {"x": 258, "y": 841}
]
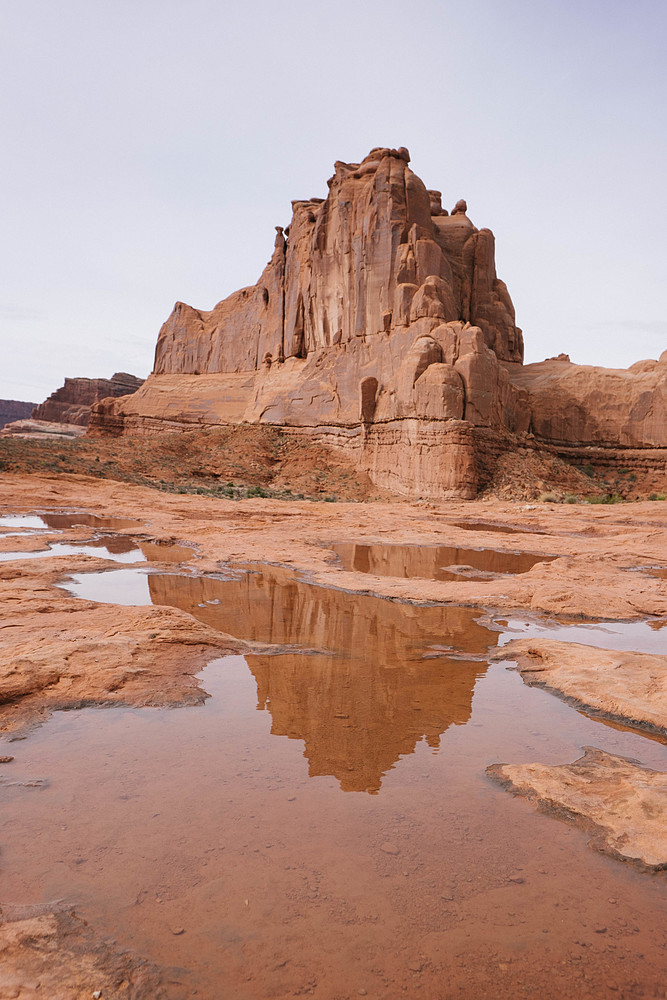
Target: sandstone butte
[{"x": 380, "y": 327}]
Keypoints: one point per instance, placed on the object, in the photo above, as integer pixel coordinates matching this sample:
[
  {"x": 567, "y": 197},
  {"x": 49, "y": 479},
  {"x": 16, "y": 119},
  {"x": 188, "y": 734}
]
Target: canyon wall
[{"x": 380, "y": 327}]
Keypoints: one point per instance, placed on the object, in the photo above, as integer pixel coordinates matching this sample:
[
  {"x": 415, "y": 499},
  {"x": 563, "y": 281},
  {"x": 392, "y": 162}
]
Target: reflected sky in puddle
[
  {"x": 118, "y": 548},
  {"x": 100, "y": 551},
  {"x": 61, "y": 521}
]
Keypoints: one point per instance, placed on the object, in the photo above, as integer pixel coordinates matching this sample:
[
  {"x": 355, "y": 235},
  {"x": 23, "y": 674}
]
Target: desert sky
[{"x": 150, "y": 147}]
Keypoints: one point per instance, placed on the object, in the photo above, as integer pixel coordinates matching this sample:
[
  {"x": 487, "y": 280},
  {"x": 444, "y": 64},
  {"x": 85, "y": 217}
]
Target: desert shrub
[
  {"x": 607, "y": 498},
  {"x": 588, "y": 470},
  {"x": 571, "y": 498}
]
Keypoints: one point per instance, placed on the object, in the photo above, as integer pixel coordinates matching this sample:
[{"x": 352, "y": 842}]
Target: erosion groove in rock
[{"x": 380, "y": 321}]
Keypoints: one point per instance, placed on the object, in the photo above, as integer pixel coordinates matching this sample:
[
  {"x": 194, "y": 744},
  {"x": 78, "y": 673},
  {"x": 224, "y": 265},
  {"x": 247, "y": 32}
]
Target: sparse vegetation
[
  {"x": 229, "y": 462},
  {"x": 608, "y": 498}
]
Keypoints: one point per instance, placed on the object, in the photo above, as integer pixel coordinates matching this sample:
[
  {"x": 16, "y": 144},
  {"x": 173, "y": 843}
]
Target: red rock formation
[
  {"x": 584, "y": 405},
  {"x": 365, "y": 262},
  {"x": 13, "y": 409},
  {"x": 72, "y": 402},
  {"x": 379, "y": 326}
]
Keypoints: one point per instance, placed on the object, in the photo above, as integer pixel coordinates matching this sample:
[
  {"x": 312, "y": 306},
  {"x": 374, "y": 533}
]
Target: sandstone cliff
[
  {"x": 72, "y": 402},
  {"x": 380, "y": 326}
]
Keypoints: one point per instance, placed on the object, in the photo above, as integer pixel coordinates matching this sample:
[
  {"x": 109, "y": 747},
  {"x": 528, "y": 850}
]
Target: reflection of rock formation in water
[
  {"x": 359, "y": 715},
  {"x": 426, "y": 562},
  {"x": 369, "y": 701}
]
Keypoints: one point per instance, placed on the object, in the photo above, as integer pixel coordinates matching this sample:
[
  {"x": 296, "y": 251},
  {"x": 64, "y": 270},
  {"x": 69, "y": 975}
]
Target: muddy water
[
  {"x": 322, "y": 826},
  {"x": 433, "y": 562}
]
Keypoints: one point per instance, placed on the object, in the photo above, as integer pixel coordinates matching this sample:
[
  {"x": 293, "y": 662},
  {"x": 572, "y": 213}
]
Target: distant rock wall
[
  {"x": 72, "y": 402},
  {"x": 14, "y": 409}
]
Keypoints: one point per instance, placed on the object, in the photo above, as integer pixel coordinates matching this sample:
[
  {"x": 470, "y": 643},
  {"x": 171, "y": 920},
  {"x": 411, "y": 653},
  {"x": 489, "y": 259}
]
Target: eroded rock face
[
  {"x": 367, "y": 260},
  {"x": 72, "y": 402},
  {"x": 585, "y": 405},
  {"x": 380, "y": 326}
]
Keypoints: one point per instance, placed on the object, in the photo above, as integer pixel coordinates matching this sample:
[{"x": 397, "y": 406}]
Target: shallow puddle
[
  {"x": 61, "y": 521},
  {"x": 433, "y": 562},
  {"x": 118, "y": 548},
  {"x": 323, "y": 826},
  {"x": 98, "y": 549}
]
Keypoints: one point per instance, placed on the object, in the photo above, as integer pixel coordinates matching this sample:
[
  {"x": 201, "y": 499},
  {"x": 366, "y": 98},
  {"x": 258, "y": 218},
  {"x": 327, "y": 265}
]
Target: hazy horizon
[{"x": 151, "y": 147}]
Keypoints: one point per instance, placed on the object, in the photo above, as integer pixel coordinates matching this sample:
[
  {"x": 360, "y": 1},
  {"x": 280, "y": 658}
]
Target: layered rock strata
[
  {"x": 72, "y": 402},
  {"x": 380, "y": 326}
]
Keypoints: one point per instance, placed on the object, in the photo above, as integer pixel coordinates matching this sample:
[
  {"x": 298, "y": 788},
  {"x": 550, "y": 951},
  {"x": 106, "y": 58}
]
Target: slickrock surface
[
  {"x": 629, "y": 687},
  {"x": 621, "y": 802},
  {"x": 60, "y": 651},
  {"x": 14, "y": 409},
  {"x": 380, "y": 328},
  {"x": 72, "y": 402}
]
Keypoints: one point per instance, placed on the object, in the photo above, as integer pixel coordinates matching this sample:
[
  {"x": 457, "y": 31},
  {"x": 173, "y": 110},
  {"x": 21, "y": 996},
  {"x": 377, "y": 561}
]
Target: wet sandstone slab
[
  {"x": 597, "y": 546},
  {"x": 622, "y": 803}
]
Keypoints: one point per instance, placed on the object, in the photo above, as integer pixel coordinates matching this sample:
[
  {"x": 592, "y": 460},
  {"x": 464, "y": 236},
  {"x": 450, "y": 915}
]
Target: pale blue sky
[{"x": 150, "y": 147}]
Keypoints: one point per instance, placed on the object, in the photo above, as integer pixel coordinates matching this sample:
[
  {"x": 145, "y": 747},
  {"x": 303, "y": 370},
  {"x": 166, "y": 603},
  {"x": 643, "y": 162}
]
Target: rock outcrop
[
  {"x": 14, "y": 409},
  {"x": 72, "y": 402},
  {"x": 619, "y": 802},
  {"x": 628, "y": 687},
  {"x": 379, "y": 326},
  {"x": 585, "y": 405}
]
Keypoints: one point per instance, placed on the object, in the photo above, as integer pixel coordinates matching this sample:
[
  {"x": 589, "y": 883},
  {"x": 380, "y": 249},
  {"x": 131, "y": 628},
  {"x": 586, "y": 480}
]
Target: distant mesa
[
  {"x": 14, "y": 409},
  {"x": 380, "y": 327},
  {"x": 66, "y": 413}
]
